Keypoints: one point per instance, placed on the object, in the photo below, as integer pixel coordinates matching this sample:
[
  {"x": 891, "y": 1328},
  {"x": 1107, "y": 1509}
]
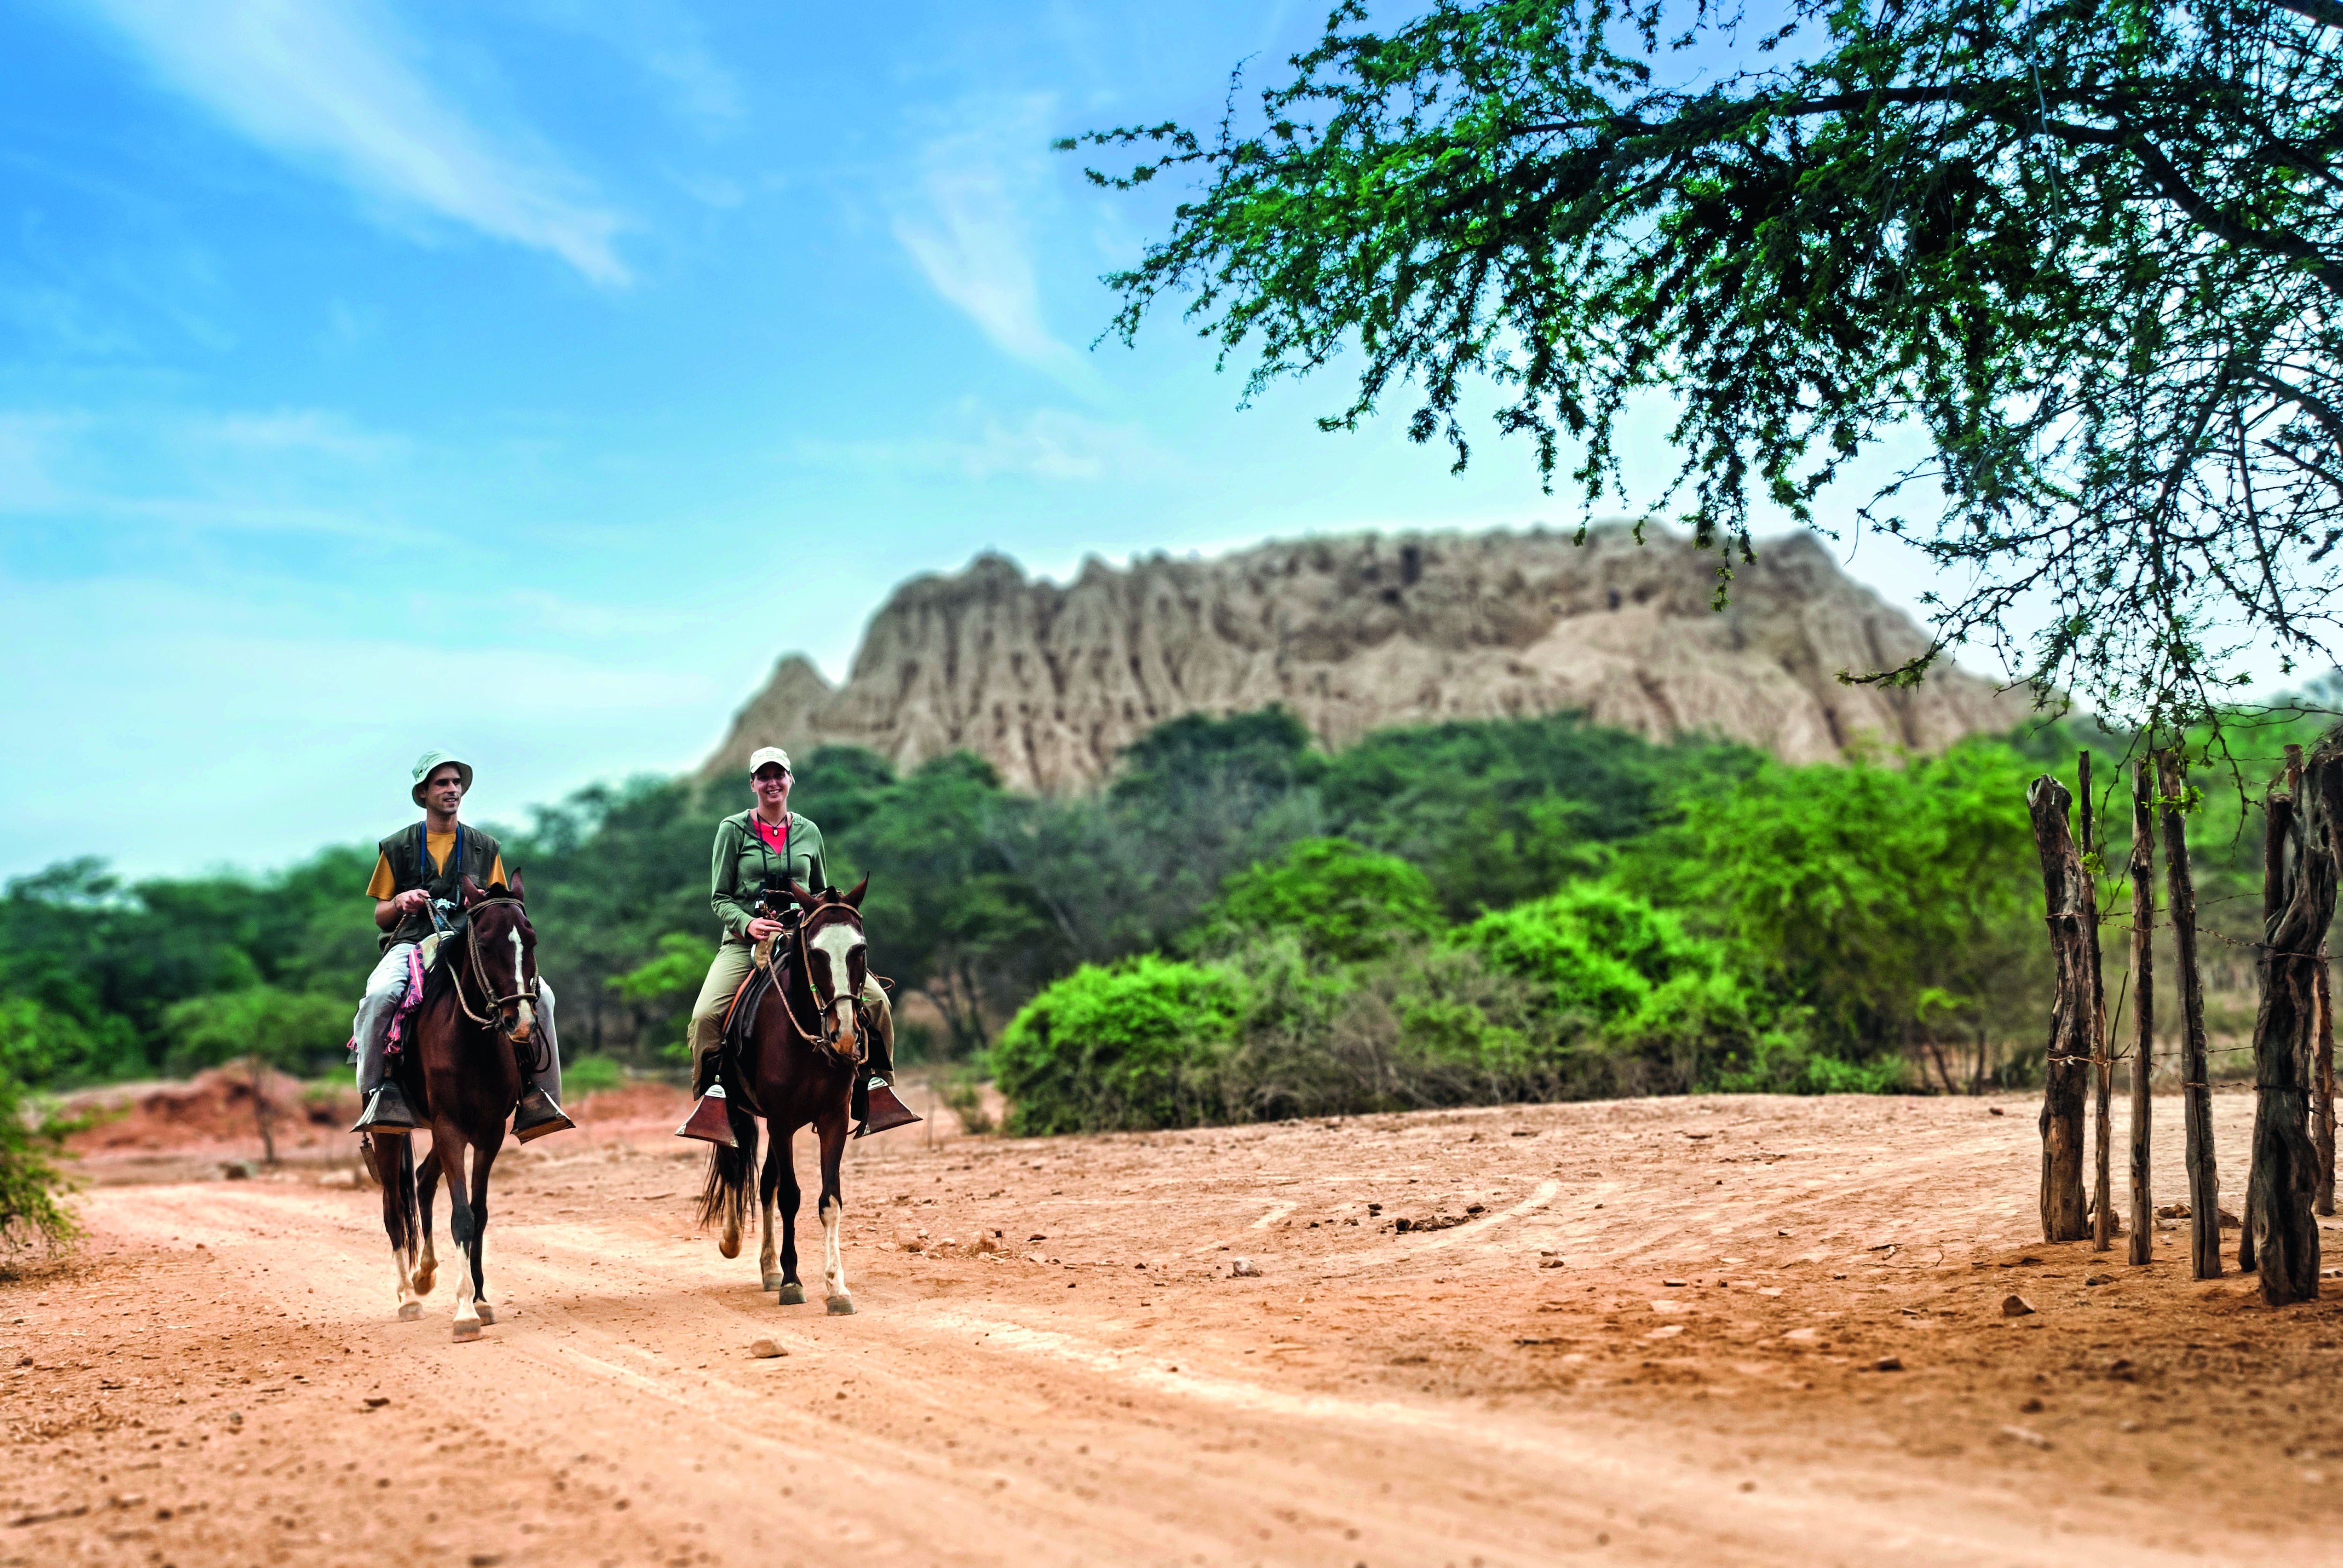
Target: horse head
[
  {"x": 502, "y": 947},
  {"x": 836, "y": 957}
]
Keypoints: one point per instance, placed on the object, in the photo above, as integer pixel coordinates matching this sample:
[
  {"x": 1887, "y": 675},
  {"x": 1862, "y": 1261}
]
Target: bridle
[
  {"x": 828, "y": 1039},
  {"x": 495, "y": 1005}
]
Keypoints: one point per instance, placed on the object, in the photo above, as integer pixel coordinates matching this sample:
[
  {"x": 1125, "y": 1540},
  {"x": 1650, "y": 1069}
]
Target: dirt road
[{"x": 1655, "y": 1337}]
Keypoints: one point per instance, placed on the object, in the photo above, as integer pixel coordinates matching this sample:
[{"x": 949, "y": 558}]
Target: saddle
[{"x": 740, "y": 1030}]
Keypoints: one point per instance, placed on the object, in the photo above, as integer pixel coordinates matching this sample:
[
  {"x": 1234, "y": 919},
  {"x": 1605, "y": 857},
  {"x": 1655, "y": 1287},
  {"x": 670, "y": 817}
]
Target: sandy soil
[{"x": 1656, "y": 1338}]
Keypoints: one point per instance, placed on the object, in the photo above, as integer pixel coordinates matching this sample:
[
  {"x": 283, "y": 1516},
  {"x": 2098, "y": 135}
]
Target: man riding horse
[
  {"x": 769, "y": 845},
  {"x": 416, "y": 867}
]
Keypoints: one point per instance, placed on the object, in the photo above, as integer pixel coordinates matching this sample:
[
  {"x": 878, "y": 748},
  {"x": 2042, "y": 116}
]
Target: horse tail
[
  {"x": 731, "y": 1171},
  {"x": 398, "y": 1180}
]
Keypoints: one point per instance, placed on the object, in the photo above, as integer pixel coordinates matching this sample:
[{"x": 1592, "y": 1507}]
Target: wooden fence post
[
  {"x": 2197, "y": 1094},
  {"x": 2322, "y": 1088},
  {"x": 2298, "y": 904},
  {"x": 2142, "y": 871},
  {"x": 2320, "y": 1068},
  {"x": 2103, "y": 1213},
  {"x": 2065, "y": 891}
]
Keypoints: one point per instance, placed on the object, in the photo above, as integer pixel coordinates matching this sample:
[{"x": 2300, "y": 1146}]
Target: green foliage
[
  {"x": 1343, "y": 902},
  {"x": 1498, "y": 812},
  {"x": 32, "y": 1209},
  {"x": 1129, "y": 1045},
  {"x": 2094, "y": 251},
  {"x": 1899, "y": 904},
  {"x": 591, "y": 1075},
  {"x": 680, "y": 968},
  {"x": 300, "y": 1032}
]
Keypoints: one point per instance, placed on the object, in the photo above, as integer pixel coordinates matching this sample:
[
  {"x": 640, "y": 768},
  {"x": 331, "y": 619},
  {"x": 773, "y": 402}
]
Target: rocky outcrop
[{"x": 1362, "y": 632}]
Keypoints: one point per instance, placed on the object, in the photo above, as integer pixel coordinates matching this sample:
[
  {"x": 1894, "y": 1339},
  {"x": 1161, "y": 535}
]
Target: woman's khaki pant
[{"x": 731, "y": 965}]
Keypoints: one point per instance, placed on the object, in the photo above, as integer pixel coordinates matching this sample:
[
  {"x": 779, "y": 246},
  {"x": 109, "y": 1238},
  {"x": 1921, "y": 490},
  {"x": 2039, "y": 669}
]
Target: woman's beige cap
[{"x": 764, "y": 754}]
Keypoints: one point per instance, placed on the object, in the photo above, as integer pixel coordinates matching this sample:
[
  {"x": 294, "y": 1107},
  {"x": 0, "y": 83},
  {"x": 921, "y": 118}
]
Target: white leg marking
[
  {"x": 467, "y": 1310},
  {"x": 833, "y": 1263},
  {"x": 409, "y": 1309}
]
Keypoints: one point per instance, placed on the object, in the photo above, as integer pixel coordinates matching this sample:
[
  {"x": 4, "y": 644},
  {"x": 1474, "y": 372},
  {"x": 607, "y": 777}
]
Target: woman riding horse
[{"x": 770, "y": 847}]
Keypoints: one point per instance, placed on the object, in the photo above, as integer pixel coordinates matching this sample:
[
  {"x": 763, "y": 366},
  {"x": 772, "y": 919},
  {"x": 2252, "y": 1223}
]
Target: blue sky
[{"x": 523, "y": 377}]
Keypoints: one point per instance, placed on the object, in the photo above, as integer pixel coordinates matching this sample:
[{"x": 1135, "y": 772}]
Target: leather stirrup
[
  {"x": 709, "y": 1120},
  {"x": 886, "y": 1113}
]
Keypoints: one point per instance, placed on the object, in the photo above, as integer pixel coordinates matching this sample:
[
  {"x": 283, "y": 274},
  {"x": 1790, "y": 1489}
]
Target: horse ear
[
  {"x": 803, "y": 895},
  {"x": 471, "y": 895},
  {"x": 518, "y": 895},
  {"x": 854, "y": 898}
]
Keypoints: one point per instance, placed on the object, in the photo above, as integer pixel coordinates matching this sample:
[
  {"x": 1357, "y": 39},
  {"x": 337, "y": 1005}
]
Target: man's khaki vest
[{"x": 474, "y": 857}]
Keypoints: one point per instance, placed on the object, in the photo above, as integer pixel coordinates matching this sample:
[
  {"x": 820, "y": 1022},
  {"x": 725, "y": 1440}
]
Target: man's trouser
[
  {"x": 731, "y": 965},
  {"x": 384, "y": 988}
]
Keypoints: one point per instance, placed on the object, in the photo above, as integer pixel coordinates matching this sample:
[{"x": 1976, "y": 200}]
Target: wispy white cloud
[
  {"x": 665, "y": 41},
  {"x": 333, "y": 82},
  {"x": 970, "y": 232},
  {"x": 1052, "y": 444},
  {"x": 286, "y": 471}
]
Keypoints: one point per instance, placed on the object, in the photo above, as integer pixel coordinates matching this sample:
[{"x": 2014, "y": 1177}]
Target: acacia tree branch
[
  {"x": 2329, "y": 419},
  {"x": 2325, "y": 13}
]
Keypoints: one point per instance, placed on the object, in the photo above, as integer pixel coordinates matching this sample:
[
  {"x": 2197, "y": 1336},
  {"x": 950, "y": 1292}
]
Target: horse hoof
[
  {"x": 410, "y": 1310},
  {"x": 730, "y": 1246},
  {"x": 775, "y": 1282},
  {"x": 466, "y": 1331},
  {"x": 424, "y": 1282},
  {"x": 840, "y": 1306},
  {"x": 792, "y": 1294},
  {"x": 487, "y": 1314}
]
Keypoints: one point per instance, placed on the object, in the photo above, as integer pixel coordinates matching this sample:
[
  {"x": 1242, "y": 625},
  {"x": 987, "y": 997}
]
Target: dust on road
[{"x": 1646, "y": 1332}]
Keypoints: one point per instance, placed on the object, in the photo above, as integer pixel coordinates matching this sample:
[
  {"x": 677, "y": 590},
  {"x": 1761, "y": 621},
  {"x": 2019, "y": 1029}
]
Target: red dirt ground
[{"x": 1654, "y": 1338}]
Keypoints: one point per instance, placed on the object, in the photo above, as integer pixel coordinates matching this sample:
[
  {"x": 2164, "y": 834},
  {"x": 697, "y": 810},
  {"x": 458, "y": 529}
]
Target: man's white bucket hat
[{"x": 431, "y": 762}]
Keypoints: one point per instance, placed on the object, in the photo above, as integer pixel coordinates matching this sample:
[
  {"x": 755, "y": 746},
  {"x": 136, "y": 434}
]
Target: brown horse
[
  {"x": 464, "y": 1077},
  {"x": 795, "y": 1067}
]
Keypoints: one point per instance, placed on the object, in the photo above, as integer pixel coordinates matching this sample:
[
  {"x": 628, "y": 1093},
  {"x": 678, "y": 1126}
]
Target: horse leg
[
  {"x": 460, "y": 1230},
  {"x": 393, "y": 1156},
  {"x": 484, "y": 1159},
  {"x": 744, "y": 1136},
  {"x": 792, "y": 1290},
  {"x": 426, "y": 1181},
  {"x": 768, "y": 1265},
  {"x": 833, "y": 1211}
]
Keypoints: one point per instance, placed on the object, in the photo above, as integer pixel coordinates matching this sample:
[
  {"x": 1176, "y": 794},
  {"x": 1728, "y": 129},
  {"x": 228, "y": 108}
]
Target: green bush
[
  {"x": 31, "y": 1212},
  {"x": 1344, "y": 902},
  {"x": 1134, "y": 1044},
  {"x": 1599, "y": 951},
  {"x": 591, "y": 1075}
]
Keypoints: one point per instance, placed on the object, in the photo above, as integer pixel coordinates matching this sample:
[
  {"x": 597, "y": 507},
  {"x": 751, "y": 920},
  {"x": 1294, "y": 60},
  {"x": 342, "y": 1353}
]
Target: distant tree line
[{"x": 1472, "y": 911}]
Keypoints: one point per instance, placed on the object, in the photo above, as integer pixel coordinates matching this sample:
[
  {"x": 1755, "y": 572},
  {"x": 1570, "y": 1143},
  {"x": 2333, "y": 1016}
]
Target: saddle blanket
[{"x": 418, "y": 964}]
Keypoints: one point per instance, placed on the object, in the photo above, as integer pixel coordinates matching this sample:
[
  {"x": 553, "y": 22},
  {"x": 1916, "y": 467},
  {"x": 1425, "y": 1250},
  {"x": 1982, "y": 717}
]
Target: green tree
[
  {"x": 1343, "y": 902},
  {"x": 1901, "y": 904},
  {"x": 267, "y": 1028},
  {"x": 2094, "y": 251},
  {"x": 1498, "y": 812}
]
